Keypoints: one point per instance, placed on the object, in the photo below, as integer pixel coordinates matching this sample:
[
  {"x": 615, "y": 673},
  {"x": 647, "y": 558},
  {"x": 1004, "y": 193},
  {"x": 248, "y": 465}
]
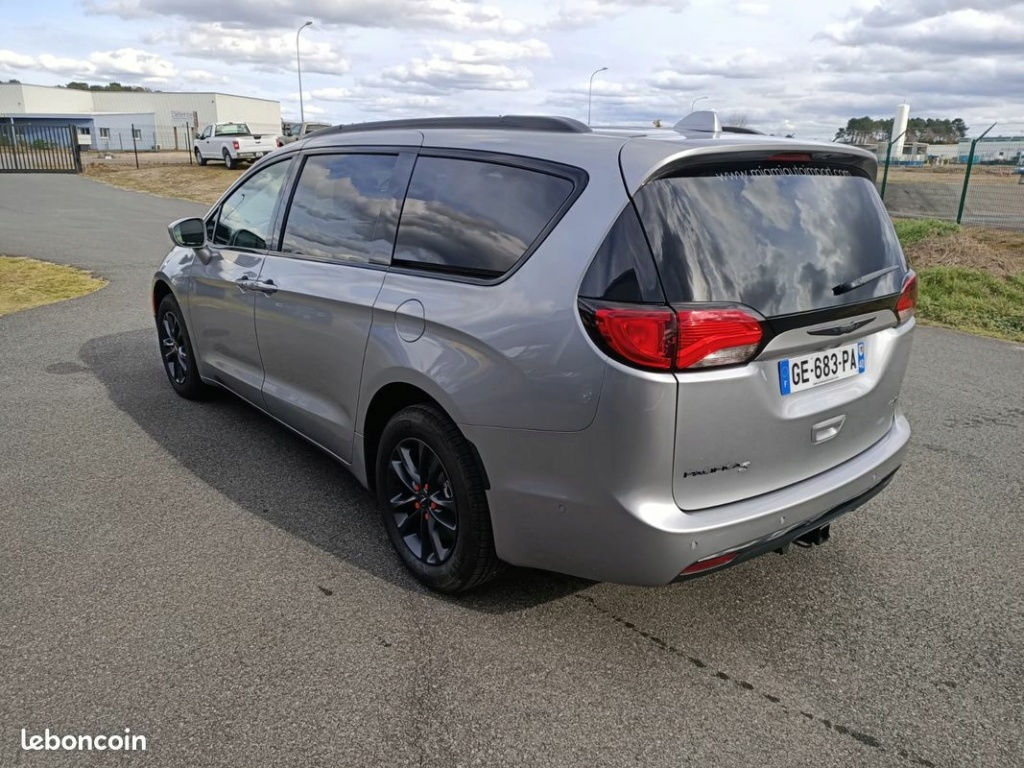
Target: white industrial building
[{"x": 104, "y": 118}]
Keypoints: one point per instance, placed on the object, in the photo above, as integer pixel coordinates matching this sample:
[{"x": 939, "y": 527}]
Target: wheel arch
[
  {"x": 161, "y": 288},
  {"x": 385, "y": 403}
]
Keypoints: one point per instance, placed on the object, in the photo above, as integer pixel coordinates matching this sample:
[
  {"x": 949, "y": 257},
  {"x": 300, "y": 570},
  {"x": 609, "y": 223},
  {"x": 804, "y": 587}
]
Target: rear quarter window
[
  {"x": 475, "y": 218},
  {"x": 776, "y": 240}
]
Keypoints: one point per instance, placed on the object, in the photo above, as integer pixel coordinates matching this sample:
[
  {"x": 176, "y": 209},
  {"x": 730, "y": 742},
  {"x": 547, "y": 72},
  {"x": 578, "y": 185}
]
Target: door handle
[{"x": 266, "y": 287}]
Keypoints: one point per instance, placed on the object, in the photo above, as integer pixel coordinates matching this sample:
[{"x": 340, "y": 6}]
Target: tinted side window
[
  {"x": 623, "y": 268},
  {"x": 337, "y": 208},
  {"x": 247, "y": 216},
  {"x": 474, "y": 218}
]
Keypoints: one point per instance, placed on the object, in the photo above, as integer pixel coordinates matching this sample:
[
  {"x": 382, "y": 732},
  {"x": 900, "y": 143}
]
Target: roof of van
[{"x": 640, "y": 152}]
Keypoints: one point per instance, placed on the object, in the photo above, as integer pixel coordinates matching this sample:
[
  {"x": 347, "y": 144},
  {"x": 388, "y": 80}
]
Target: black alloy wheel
[
  {"x": 432, "y": 496},
  {"x": 176, "y": 351},
  {"x": 422, "y": 503},
  {"x": 172, "y": 346}
]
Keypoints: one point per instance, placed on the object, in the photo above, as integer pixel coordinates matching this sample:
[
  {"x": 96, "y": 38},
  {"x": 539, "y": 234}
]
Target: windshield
[{"x": 777, "y": 240}]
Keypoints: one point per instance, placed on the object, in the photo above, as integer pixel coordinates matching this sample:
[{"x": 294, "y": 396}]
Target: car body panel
[
  {"x": 222, "y": 320},
  {"x": 312, "y": 334}
]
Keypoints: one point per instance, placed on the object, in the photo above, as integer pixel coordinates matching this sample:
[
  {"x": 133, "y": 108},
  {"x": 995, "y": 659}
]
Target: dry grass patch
[
  {"x": 200, "y": 184},
  {"x": 26, "y": 283}
]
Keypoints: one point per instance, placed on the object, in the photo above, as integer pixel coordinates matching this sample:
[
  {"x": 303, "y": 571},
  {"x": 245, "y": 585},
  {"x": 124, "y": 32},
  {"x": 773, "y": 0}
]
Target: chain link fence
[{"x": 977, "y": 182}]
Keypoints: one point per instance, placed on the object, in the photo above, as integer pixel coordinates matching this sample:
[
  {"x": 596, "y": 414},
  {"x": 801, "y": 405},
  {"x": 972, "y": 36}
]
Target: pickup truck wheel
[
  {"x": 229, "y": 161},
  {"x": 199, "y": 157}
]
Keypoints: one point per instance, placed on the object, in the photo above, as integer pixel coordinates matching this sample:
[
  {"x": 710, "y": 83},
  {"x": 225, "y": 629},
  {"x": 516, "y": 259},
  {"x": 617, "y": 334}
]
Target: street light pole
[
  {"x": 590, "y": 92},
  {"x": 694, "y": 102},
  {"x": 298, "y": 67}
]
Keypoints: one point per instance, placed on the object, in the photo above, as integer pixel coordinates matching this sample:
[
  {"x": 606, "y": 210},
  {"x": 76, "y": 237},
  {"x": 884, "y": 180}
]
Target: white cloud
[
  {"x": 12, "y": 60},
  {"x": 577, "y": 14},
  {"x": 456, "y": 15},
  {"x": 441, "y": 75},
  {"x": 130, "y": 61},
  {"x": 268, "y": 52},
  {"x": 99, "y": 64},
  {"x": 753, "y": 9},
  {"x": 496, "y": 51},
  {"x": 202, "y": 77}
]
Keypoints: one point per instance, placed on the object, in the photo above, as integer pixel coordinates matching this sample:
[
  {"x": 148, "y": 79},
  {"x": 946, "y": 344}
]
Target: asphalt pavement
[{"x": 195, "y": 573}]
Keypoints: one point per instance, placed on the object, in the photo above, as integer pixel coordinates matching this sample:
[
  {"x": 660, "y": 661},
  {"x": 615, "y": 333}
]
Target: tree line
[
  {"x": 867, "y": 130},
  {"x": 79, "y": 86}
]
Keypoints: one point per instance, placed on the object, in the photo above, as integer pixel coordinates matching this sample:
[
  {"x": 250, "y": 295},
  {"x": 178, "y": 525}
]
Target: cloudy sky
[{"x": 799, "y": 66}]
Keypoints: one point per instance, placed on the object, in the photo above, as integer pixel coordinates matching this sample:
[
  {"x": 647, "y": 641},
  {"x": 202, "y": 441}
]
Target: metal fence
[
  {"x": 139, "y": 144},
  {"x": 30, "y": 148},
  {"x": 973, "y": 188}
]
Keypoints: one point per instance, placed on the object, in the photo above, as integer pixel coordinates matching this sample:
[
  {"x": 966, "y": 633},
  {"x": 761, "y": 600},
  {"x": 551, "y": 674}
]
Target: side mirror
[{"x": 188, "y": 233}]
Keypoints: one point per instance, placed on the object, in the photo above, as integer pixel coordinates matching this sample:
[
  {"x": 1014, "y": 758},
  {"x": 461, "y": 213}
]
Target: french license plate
[{"x": 807, "y": 371}]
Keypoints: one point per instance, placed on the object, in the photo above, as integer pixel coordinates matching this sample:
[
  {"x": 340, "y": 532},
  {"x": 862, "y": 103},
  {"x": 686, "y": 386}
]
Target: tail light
[
  {"x": 234, "y": 144},
  {"x": 710, "y": 337},
  {"x": 663, "y": 339},
  {"x": 280, "y": 143},
  {"x": 908, "y": 298},
  {"x": 645, "y": 337}
]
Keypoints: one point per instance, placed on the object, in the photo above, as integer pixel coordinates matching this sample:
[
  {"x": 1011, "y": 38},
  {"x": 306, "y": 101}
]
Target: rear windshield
[
  {"x": 777, "y": 240},
  {"x": 232, "y": 129}
]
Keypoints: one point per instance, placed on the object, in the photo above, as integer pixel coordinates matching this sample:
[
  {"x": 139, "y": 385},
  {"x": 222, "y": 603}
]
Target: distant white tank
[{"x": 899, "y": 128}]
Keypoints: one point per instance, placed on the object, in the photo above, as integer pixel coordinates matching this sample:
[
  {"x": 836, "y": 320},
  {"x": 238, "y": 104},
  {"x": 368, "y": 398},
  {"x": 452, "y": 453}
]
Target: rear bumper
[
  {"x": 783, "y": 538},
  {"x": 549, "y": 511}
]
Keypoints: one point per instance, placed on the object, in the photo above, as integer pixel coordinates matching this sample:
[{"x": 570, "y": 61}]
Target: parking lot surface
[{"x": 199, "y": 575}]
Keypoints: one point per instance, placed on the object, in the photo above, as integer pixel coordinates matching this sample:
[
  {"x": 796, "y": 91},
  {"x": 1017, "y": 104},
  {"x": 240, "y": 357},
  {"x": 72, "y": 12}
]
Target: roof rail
[{"x": 502, "y": 122}]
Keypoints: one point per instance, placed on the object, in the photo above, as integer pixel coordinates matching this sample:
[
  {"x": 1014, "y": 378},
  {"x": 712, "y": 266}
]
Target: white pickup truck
[{"x": 231, "y": 143}]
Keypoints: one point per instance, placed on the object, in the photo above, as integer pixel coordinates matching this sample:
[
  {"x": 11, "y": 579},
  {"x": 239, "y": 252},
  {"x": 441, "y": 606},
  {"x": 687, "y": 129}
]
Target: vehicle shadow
[{"x": 277, "y": 476}]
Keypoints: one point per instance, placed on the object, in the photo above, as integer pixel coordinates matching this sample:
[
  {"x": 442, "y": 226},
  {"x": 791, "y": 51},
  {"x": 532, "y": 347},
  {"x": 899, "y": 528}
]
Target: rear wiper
[{"x": 842, "y": 288}]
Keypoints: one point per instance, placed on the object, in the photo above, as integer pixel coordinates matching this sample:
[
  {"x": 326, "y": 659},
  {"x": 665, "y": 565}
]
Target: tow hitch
[{"x": 811, "y": 538}]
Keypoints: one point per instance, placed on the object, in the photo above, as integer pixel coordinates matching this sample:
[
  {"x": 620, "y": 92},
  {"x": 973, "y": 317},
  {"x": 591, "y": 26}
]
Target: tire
[
  {"x": 176, "y": 351},
  {"x": 229, "y": 161},
  {"x": 444, "y": 559},
  {"x": 199, "y": 157}
]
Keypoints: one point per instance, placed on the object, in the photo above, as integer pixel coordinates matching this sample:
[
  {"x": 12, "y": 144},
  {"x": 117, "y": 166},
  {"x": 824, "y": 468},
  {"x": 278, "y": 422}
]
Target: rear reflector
[
  {"x": 663, "y": 339},
  {"x": 709, "y": 563},
  {"x": 908, "y": 298}
]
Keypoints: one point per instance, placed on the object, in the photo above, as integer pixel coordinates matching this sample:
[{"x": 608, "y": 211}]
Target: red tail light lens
[
  {"x": 710, "y": 337},
  {"x": 908, "y": 298},
  {"x": 234, "y": 144},
  {"x": 662, "y": 339},
  {"x": 645, "y": 337}
]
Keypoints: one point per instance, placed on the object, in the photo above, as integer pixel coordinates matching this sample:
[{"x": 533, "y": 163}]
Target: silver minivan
[{"x": 628, "y": 356}]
